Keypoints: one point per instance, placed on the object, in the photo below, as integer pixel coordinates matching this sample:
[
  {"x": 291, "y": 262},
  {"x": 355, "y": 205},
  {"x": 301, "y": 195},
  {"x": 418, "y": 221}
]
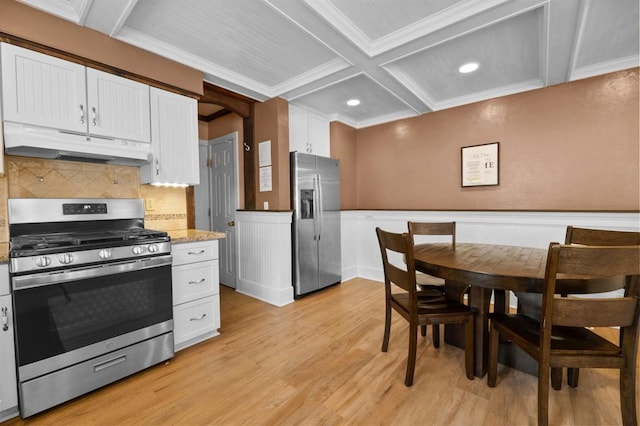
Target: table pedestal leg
[{"x": 479, "y": 298}]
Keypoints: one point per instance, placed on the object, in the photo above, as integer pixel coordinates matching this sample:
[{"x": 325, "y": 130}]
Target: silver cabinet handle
[
  {"x": 157, "y": 167},
  {"x": 81, "y": 114},
  {"x": 5, "y": 319},
  {"x": 94, "y": 116},
  {"x": 197, "y": 282},
  {"x": 196, "y": 252},
  {"x": 201, "y": 317}
]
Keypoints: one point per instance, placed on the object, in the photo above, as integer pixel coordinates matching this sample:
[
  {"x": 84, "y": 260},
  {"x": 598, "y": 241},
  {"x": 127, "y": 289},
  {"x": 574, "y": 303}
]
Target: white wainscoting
[
  {"x": 361, "y": 254},
  {"x": 264, "y": 240},
  {"x": 264, "y": 256}
]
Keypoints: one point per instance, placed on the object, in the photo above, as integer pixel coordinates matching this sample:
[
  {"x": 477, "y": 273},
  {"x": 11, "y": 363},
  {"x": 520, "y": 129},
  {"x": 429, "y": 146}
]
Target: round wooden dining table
[{"x": 485, "y": 268}]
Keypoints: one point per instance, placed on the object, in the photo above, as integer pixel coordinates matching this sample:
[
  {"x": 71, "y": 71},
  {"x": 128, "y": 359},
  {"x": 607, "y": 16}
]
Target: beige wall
[
  {"x": 344, "y": 148},
  {"x": 573, "y": 146},
  {"x": 31, "y": 24},
  {"x": 272, "y": 123}
]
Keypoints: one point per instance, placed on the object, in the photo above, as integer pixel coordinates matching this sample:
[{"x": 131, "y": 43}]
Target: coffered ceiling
[{"x": 400, "y": 58}]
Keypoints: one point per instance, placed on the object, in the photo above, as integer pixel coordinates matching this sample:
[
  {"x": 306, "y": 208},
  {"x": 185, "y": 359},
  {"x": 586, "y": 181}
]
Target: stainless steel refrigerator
[{"x": 315, "y": 198}]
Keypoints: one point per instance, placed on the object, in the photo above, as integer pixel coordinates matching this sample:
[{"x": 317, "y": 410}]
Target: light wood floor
[{"x": 318, "y": 361}]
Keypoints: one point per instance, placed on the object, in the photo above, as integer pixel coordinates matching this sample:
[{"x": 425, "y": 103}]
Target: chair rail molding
[{"x": 264, "y": 256}]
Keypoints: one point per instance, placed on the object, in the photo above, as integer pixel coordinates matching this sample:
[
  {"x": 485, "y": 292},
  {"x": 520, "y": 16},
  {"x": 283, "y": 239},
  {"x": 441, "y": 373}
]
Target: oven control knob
[
  {"x": 65, "y": 259},
  {"x": 43, "y": 261},
  {"x": 138, "y": 249},
  {"x": 104, "y": 254},
  {"x": 153, "y": 248}
]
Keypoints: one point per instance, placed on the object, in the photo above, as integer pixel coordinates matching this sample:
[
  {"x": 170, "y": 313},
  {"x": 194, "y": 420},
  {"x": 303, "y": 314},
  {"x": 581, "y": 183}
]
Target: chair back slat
[
  {"x": 599, "y": 237},
  {"x": 433, "y": 228},
  {"x": 609, "y": 312},
  {"x": 599, "y": 261},
  {"x": 398, "y": 276}
]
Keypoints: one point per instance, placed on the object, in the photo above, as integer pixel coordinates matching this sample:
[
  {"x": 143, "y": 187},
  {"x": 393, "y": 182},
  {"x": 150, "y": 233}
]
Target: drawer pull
[
  {"x": 110, "y": 363},
  {"x": 196, "y": 252},
  {"x": 198, "y": 282},
  {"x": 200, "y": 318},
  {"x": 5, "y": 319}
]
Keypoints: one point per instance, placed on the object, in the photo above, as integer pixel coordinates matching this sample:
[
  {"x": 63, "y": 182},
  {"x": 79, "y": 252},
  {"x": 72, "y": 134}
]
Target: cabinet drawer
[
  {"x": 194, "y": 281},
  {"x": 194, "y": 252},
  {"x": 192, "y": 319}
]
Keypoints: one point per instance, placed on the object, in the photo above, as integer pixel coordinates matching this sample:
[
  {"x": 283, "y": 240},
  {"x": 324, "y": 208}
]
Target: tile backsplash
[{"x": 25, "y": 177}]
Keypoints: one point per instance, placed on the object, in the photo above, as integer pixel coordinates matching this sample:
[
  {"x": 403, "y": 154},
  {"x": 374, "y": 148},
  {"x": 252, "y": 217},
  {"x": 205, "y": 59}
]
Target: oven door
[{"x": 65, "y": 317}]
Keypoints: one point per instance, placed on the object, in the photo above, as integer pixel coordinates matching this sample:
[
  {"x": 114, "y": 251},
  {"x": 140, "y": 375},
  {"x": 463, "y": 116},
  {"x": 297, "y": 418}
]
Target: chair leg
[
  {"x": 492, "y": 368},
  {"x": 435, "y": 335},
  {"x": 468, "y": 347},
  {"x": 543, "y": 395},
  {"x": 411, "y": 359},
  {"x": 572, "y": 377},
  {"x": 556, "y": 378},
  {"x": 423, "y": 330},
  {"x": 628, "y": 394},
  {"x": 387, "y": 327}
]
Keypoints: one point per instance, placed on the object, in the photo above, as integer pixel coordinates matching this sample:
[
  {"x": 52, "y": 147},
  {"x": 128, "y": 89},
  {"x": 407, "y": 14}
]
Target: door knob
[{"x": 232, "y": 223}]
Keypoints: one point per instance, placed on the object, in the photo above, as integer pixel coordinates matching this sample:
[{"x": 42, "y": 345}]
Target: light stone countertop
[
  {"x": 4, "y": 252},
  {"x": 191, "y": 235}
]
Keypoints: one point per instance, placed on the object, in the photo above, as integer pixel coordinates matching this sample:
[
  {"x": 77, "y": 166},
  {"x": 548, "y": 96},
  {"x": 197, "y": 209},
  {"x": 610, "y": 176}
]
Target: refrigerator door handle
[
  {"x": 320, "y": 207},
  {"x": 315, "y": 207}
]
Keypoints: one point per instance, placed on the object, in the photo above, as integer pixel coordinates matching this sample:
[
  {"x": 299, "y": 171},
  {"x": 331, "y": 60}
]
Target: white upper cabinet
[
  {"x": 174, "y": 140},
  {"x": 117, "y": 107},
  {"x": 308, "y": 132},
  {"x": 42, "y": 90}
]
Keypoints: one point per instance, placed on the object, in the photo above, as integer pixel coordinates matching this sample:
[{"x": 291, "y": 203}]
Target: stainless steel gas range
[{"x": 92, "y": 297}]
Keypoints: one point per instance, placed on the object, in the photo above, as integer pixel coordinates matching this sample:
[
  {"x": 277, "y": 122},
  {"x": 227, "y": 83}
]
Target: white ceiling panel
[
  {"x": 607, "y": 38},
  {"x": 399, "y": 57},
  {"x": 247, "y": 37},
  {"x": 376, "y": 103},
  {"x": 508, "y": 53}
]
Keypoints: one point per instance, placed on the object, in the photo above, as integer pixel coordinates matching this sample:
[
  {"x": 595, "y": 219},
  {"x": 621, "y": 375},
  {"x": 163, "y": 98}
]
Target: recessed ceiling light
[
  {"x": 353, "y": 102},
  {"x": 469, "y": 67}
]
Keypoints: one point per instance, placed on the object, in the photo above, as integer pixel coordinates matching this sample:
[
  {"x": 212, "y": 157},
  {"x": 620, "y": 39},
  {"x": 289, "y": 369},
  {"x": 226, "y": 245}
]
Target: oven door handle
[{"x": 75, "y": 274}]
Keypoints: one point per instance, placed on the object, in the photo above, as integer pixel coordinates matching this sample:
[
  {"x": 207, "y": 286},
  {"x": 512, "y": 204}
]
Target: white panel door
[
  {"x": 174, "y": 139},
  {"x": 224, "y": 202},
  {"x": 8, "y": 391},
  {"x": 117, "y": 107},
  {"x": 42, "y": 90},
  {"x": 298, "y": 129}
]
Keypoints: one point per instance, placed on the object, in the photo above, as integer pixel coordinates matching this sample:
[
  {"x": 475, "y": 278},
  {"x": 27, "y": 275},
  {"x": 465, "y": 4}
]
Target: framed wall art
[{"x": 480, "y": 165}]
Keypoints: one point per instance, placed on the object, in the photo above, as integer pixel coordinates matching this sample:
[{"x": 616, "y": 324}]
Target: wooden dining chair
[
  {"x": 562, "y": 338},
  {"x": 591, "y": 237},
  {"x": 402, "y": 295},
  {"x": 429, "y": 284}
]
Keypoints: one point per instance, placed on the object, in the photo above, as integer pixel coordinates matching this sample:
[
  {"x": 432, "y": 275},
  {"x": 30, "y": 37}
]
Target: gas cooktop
[{"x": 27, "y": 245}]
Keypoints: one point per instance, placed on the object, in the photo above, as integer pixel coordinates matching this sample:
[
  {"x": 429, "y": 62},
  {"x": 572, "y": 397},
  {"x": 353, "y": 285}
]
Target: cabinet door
[
  {"x": 118, "y": 108},
  {"x": 8, "y": 390},
  {"x": 298, "y": 129},
  {"x": 319, "y": 135},
  {"x": 42, "y": 90},
  {"x": 174, "y": 139}
]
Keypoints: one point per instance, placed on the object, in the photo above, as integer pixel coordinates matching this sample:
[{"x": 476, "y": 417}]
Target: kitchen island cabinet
[
  {"x": 196, "y": 292},
  {"x": 8, "y": 389}
]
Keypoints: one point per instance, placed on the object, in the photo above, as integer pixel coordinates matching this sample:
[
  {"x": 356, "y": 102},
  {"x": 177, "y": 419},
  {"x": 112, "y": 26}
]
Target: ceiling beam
[{"x": 234, "y": 102}]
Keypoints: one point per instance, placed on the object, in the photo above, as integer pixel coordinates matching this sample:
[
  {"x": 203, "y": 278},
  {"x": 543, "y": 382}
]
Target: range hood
[{"x": 32, "y": 141}]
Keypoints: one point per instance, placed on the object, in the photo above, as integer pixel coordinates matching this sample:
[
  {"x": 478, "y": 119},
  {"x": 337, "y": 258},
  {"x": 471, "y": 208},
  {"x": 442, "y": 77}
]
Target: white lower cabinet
[
  {"x": 196, "y": 292},
  {"x": 8, "y": 389}
]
